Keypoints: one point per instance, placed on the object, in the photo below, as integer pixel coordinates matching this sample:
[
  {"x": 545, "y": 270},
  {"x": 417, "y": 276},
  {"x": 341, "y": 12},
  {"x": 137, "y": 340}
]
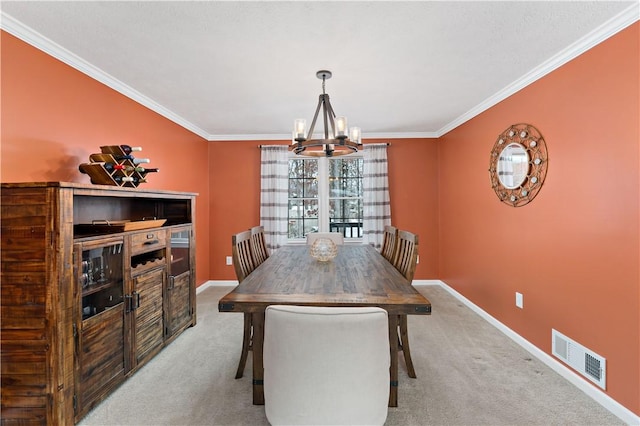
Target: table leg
[
  {"x": 258, "y": 367},
  {"x": 393, "y": 369}
]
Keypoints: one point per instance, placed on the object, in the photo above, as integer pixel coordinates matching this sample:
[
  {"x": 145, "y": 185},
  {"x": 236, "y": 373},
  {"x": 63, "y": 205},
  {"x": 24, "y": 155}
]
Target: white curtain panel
[
  {"x": 375, "y": 182},
  {"x": 274, "y": 194}
]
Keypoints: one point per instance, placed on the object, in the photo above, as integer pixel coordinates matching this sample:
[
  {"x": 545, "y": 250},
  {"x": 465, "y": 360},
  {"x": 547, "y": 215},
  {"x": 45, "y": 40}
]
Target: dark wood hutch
[{"x": 91, "y": 289}]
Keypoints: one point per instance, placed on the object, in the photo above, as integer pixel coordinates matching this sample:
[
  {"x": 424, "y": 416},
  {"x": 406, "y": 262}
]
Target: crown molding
[
  {"x": 595, "y": 37},
  {"x": 37, "y": 40},
  {"x": 401, "y": 135},
  {"x": 249, "y": 137},
  {"x": 606, "y": 30},
  {"x": 287, "y": 137}
]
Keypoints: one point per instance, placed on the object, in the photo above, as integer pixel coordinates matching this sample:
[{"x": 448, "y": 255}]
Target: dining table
[{"x": 358, "y": 276}]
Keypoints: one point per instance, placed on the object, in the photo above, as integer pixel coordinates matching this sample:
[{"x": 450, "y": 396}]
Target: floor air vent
[{"x": 586, "y": 362}]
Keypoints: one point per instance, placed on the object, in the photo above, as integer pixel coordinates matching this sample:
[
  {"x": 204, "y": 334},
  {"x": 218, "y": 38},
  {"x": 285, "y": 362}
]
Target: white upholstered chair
[
  {"x": 326, "y": 365},
  {"x": 336, "y": 237}
]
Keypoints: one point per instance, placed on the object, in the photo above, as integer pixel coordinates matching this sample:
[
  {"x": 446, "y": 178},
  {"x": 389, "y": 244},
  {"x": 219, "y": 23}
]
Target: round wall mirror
[
  {"x": 518, "y": 164},
  {"x": 513, "y": 166}
]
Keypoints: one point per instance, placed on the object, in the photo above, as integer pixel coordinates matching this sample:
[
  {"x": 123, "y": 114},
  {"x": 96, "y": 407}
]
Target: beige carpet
[{"x": 469, "y": 373}]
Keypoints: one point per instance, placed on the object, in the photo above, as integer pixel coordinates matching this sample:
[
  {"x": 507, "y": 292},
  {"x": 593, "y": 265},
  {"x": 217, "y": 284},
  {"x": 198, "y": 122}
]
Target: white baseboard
[
  {"x": 426, "y": 282},
  {"x": 216, "y": 283},
  {"x": 597, "y": 395}
]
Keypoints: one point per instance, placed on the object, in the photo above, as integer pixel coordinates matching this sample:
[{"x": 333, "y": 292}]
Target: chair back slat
[
  {"x": 258, "y": 245},
  {"x": 243, "y": 261},
  {"x": 389, "y": 242},
  {"x": 406, "y": 256}
]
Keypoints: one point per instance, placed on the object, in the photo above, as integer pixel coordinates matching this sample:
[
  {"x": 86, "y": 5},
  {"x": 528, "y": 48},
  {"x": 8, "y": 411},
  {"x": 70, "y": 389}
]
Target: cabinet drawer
[{"x": 149, "y": 240}]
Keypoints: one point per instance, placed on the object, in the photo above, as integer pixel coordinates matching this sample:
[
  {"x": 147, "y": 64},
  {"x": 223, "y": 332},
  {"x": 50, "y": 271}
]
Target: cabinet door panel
[
  {"x": 148, "y": 322},
  {"x": 101, "y": 354},
  {"x": 179, "y": 307},
  {"x": 180, "y": 302}
]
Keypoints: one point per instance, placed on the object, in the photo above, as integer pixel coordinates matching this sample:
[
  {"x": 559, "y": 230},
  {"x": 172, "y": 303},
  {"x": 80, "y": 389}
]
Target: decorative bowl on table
[{"x": 323, "y": 249}]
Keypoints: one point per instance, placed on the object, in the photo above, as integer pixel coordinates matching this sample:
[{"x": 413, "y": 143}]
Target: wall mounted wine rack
[{"x": 115, "y": 165}]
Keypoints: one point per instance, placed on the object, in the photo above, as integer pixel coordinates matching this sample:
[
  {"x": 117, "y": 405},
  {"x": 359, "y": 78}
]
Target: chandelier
[{"x": 338, "y": 138}]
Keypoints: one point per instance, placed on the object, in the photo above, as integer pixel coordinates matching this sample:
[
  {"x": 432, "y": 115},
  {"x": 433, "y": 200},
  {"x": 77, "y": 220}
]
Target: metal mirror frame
[{"x": 531, "y": 140}]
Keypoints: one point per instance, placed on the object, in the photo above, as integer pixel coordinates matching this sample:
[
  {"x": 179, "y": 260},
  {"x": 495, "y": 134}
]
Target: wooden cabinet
[{"x": 83, "y": 305}]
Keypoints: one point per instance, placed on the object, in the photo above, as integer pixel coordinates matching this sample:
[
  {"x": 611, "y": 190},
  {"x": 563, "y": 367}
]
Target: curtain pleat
[
  {"x": 376, "y": 203},
  {"x": 274, "y": 194}
]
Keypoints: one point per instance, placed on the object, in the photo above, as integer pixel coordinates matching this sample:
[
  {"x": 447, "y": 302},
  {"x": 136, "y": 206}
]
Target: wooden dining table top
[{"x": 357, "y": 276}]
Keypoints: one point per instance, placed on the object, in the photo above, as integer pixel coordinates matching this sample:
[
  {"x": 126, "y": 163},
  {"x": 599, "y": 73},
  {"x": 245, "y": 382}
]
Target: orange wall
[
  {"x": 235, "y": 197},
  {"x": 234, "y": 182},
  {"x": 574, "y": 251},
  {"x": 54, "y": 116}
]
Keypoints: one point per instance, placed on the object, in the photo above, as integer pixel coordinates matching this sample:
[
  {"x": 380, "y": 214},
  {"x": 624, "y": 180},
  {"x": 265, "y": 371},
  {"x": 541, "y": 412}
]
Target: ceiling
[{"x": 234, "y": 70}]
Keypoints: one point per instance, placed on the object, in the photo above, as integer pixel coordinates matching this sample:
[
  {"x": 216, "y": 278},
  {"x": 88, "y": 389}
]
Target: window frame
[{"x": 324, "y": 194}]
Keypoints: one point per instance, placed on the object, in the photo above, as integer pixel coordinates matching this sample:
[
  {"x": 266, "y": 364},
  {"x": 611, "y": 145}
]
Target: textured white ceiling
[{"x": 246, "y": 70}]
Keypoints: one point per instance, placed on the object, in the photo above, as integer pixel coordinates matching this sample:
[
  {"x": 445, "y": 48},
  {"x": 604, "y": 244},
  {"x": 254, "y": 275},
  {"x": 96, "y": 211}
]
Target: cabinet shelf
[
  {"x": 178, "y": 260},
  {"x": 96, "y": 318},
  {"x": 94, "y": 288}
]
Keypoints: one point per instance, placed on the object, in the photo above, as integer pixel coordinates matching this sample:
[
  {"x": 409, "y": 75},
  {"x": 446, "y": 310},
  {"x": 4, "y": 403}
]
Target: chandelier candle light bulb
[
  {"x": 341, "y": 127},
  {"x": 299, "y": 128},
  {"x": 354, "y": 134}
]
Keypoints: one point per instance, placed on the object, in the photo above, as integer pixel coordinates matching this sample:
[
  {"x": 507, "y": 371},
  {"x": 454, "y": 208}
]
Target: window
[{"x": 325, "y": 195}]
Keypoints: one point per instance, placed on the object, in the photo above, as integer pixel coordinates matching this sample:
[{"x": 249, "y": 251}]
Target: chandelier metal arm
[
  {"x": 331, "y": 116},
  {"x": 315, "y": 118},
  {"x": 327, "y": 117}
]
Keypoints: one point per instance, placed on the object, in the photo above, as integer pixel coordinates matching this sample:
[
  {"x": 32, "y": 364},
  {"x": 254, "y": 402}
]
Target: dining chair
[
  {"x": 406, "y": 254},
  {"x": 326, "y": 365},
  {"x": 336, "y": 237},
  {"x": 258, "y": 245},
  {"x": 405, "y": 261},
  {"x": 243, "y": 264},
  {"x": 389, "y": 242}
]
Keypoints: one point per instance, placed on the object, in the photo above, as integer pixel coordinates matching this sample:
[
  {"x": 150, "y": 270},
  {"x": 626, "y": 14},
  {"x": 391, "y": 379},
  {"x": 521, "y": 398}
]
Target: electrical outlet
[
  {"x": 229, "y": 260},
  {"x": 519, "y": 300}
]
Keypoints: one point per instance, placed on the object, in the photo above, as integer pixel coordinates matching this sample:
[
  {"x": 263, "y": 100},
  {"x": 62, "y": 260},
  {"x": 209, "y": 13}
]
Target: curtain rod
[{"x": 387, "y": 143}]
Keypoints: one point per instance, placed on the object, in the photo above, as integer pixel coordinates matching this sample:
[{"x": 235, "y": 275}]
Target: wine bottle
[
  {"x": 144, "y": 171},
  {"x": 140, "y": 169},
  {"x": 140, "y": 160},
  {"x": 119, "y": 149},
  {"x": 129, "y": 149},
  {"x": 132, "y": 159},
  {"x": 121, "y": 179},
  {"x": 112, "y": 166},
  {"x": 136, "y": 180}
]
